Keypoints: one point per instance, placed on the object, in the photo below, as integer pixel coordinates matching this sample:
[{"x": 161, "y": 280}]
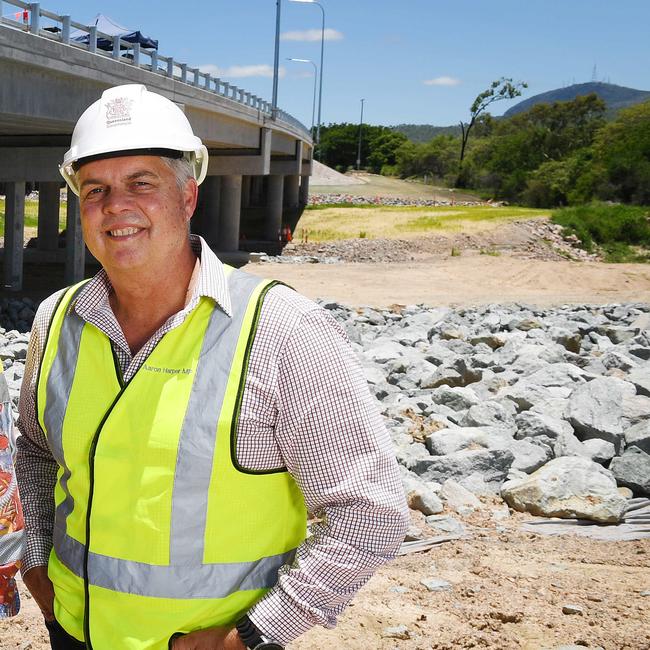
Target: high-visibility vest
[{"x": 158, "y": 529}]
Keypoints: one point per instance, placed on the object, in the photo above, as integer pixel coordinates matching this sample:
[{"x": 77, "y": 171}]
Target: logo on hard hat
[{"x": 118, "y": 111}]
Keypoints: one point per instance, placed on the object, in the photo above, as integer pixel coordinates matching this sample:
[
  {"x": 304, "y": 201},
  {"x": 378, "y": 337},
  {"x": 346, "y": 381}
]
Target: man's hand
[
  {"x": 214, "y": 638},
  {"x": 40, "y": 586}
]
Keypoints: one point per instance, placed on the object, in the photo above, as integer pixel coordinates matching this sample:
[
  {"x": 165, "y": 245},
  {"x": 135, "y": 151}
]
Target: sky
[{"x": 414, "y": 61}]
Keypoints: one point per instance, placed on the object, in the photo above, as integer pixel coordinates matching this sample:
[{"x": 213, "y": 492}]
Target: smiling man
[{"x": 180, "y": 420}]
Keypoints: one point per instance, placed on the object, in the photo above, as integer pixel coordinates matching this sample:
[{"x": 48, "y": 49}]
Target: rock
[
  {"x": 572, "y": 609},
  {"x": 639, "y": 436},
  {"x": 595, "y": 409},
  {"x": 435, "y": 584},
  {"x": 569, "y": 488},
  {"x": 424, "y": 500},
  {"x": 446, "y": 524},
  {"x": 640, "y": 377},
  {"x": 636, "y": 408},
  {"x": 493, "y": 341},
  {"x": 632, "y": 470},
  {"x": 540, "y": 426},
  {"x": 626, "y": 493},
  {"x": 458, "y": 498},
  {"x": 459, "y": 398},
  {"x": 413, "y": 534},
  {"x": 600, "y": 451},
  {"x": 449, "y": 441},
  {"x": 491, "y": 465},
  {"x": 397, "y": 632},
  {"x": 528, "y": 456},
  {"x": 491, "y": 414},
  {"x": 556, "y": 375}
]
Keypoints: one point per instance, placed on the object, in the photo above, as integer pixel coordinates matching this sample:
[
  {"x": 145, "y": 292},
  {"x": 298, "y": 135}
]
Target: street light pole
[
  {"x": 313, "y": 104},
  {"x": 360, "y": 129},
  {"x": 276, "y": 61},
  {"x": 322, "y": 50}
]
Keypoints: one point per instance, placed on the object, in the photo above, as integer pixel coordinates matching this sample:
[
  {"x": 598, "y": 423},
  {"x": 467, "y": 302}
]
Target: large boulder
[
  {"x": 640, "y": 377},
  {"x": 639, "y": 436},
  {"x": 569, "y": 488},
  {"x": 632, "y": 470},
  {"x": 595, "y": 409}
]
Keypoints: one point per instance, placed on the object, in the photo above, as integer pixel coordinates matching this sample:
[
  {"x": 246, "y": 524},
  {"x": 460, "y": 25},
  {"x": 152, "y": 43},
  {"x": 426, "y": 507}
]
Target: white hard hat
[{"x": 131, "y": 119}]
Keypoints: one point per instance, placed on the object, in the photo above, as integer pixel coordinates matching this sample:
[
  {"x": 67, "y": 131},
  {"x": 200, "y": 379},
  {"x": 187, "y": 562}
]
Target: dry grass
[{"x": 403, "y": 223}]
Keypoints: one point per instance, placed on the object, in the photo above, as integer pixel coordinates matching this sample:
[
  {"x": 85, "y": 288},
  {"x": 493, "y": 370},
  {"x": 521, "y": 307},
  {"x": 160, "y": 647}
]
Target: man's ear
[{"x": 190, "y": 198}]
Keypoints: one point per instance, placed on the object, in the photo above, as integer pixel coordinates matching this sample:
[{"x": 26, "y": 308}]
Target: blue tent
[{"x": 109, "y": 26}]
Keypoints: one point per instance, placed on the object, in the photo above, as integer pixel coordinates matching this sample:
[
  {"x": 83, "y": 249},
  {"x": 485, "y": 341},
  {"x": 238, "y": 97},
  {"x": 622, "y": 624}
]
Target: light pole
[
  {"x": 313, "y": 104},
  {"x": 322, "y": 48},
  {"x": 360, "y": 128},
  {"x": 276, "y": 61}
]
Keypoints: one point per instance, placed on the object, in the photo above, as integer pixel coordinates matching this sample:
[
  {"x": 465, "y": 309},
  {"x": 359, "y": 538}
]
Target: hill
[
  {"x": 424, "y": 132},
  {"x": 615, "y": 97}
]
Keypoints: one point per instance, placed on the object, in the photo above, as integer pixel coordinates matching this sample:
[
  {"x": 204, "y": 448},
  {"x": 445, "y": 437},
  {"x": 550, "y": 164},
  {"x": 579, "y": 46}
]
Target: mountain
[
  {"x": 616, "y": 97},
  {"x": 424, "y": 132}
]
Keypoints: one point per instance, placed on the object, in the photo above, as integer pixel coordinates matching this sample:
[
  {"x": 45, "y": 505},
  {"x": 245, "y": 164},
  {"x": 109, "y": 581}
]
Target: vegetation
[
  {"x": 337, "y": 222},
  {"x": 622, "y": 232},
  {"x": 500, "y": 89}
]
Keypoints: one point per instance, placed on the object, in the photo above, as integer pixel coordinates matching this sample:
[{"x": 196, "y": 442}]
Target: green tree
[
  {"x": 622, "y": 148},
  {"x": 499, "y": 89}
]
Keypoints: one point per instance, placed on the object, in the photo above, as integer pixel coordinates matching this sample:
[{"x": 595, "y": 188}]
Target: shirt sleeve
[
  {"x": 36, "y": 468},
  {"x": 335, "y": 445}
]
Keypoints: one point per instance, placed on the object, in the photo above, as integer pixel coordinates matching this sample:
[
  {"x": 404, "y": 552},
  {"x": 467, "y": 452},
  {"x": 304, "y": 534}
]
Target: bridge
[{"x": 260, "y": 158}]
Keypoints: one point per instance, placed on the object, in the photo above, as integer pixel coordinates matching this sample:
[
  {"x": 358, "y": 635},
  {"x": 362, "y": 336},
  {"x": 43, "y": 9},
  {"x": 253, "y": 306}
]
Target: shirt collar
[{"x": 212, "y": 284}]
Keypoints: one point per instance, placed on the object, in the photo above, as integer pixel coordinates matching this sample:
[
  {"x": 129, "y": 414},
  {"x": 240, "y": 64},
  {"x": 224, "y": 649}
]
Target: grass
[
  {"x": 393, "y": 222},
  {"x": 620, "y": 232},
  {"x": 31, "y": 214}
]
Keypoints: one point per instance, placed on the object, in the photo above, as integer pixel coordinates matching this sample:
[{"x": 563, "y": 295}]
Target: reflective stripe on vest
[{"x": 216, "y": 387}]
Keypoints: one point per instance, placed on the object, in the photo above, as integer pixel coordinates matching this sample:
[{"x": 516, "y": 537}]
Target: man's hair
[{"x": 181, "y": 168}]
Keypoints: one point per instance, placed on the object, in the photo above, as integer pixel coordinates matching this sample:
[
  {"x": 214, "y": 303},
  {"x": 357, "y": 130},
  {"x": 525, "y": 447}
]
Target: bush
[{"x": 613, "y": 227}]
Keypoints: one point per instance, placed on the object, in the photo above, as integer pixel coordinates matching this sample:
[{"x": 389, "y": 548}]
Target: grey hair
[{"x": 181, "y": 168}]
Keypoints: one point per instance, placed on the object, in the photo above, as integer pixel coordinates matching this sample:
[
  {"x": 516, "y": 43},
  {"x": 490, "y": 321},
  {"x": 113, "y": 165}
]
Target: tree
[{"x": 503, "y": 88}]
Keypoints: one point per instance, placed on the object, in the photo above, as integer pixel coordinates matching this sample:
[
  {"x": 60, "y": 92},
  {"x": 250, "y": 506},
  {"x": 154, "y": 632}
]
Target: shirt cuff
[
  {"x": 37, "y": 553},
  {"x": 279, "y": 618}
]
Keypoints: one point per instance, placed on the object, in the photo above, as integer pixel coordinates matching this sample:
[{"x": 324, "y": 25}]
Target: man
[{"x": 180, "y": 418}]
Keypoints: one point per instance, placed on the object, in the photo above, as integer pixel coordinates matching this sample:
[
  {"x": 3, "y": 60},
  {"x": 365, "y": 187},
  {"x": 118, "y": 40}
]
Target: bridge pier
[
  {"x": 304, "y": 191},
  {"x": 245, "y": 192},
  {"x": 273, "y": 221},
  {"x": 230, "y": 213},
  {"x": 257, "y": 190},
  {"x": 14, "y": 235},
  {"x": 291, "y": 191},
  {"x": 75, "y": 249},
  {"x": 48, "y": 216}
]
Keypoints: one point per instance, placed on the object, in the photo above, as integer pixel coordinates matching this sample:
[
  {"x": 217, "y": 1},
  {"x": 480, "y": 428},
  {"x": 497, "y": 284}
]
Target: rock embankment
[{"x": 549, "y": 408}]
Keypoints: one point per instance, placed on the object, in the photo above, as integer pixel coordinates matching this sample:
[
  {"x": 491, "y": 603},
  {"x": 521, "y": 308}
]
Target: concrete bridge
[{"x": 260, "y": 159}]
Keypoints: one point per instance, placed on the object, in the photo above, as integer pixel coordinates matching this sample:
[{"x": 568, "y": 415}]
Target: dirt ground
[{"x": 466, "y": 280}]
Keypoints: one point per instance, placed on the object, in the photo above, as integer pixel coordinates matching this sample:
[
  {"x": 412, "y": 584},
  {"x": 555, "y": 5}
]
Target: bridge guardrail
[{"x": 58, "y": 28}]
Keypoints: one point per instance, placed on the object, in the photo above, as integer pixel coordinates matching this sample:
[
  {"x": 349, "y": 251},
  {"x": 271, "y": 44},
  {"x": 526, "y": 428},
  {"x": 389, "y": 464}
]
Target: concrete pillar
[
  {"x": 75, "y": 249},
  {"x": 230, "y": 213},
  {"x": 205, "y": 221},
  {"x": 274, "y": 192},
  {"x": 245, "y": 192},
  {"x": 14, "y": 235},
  {"x": 257, "y": 190},
  {"x": 304, "y": 191},
  {"x": 291, "y": 187},
  {"x": 48, "y": 216}
]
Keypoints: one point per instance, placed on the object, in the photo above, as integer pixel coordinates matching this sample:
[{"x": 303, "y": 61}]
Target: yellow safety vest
[{"x": 158, "y": 529}]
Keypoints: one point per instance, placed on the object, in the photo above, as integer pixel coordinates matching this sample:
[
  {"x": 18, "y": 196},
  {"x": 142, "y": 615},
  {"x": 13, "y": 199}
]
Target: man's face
[{"x": 133, "y": 214}]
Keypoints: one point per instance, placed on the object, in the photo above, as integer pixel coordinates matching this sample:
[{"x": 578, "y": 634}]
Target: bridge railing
[{"x": 30, "y": 18}]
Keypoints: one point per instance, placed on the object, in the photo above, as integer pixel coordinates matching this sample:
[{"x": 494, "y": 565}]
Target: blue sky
[{"x": 385, "y": 51}]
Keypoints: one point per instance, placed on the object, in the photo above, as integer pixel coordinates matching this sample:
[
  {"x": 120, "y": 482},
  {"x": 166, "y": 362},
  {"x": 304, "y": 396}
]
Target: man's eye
[{"x": 94, "y": 191}]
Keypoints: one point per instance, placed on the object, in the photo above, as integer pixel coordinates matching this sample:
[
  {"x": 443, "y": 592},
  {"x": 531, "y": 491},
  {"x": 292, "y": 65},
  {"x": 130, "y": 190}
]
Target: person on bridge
[{"x": 181, "y": 419}]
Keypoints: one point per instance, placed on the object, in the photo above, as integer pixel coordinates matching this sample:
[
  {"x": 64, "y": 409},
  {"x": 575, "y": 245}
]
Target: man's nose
[{"x": 117, "y": 200}]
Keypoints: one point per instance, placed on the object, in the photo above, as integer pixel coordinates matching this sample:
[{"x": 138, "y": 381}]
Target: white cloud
[
  {"x": 312, "y": 35},
  {"x": 442, "y": 81},
  {"x": 241, "y": 71}
]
